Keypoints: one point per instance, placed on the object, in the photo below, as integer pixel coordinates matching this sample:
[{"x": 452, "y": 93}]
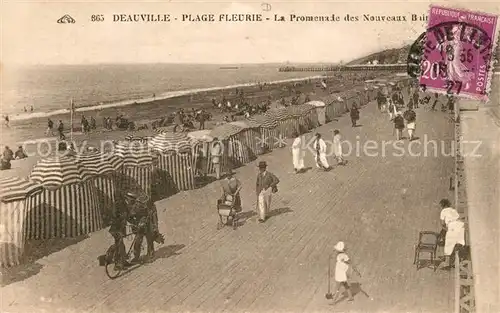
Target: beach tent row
[{"x": 75, "y": 195}]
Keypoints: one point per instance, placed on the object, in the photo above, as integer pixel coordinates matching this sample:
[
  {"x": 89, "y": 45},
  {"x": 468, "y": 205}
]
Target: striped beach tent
[
  {"x": 137, "y": 170},
  {"x": 201, "y": 140},
  {"x": 175, "y": 167},
  {"x": 13, "y": 194},
  {"x": 54, "y": 172},
  {"x": 268, "y": 131},
  {"x": 287, "y": 124},
  {"x": 103, "y": 167},
  {"x": 248, "y": 139},
  {"x": 68, "y": 206},
  {"x": 320, "y": 110},
  {"x": 232, "y": 152},
  {"x": 171, "y": 142}
]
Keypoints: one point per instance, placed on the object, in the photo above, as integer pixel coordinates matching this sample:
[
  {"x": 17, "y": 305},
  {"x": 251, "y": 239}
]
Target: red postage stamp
[{"x": 458, "y": 52}]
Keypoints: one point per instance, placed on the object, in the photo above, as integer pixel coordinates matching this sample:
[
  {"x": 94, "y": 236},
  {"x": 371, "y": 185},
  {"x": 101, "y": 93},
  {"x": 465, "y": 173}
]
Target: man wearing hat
[
  {"x": 142, "y": 214},
  {"x": 267, "y": 184}
]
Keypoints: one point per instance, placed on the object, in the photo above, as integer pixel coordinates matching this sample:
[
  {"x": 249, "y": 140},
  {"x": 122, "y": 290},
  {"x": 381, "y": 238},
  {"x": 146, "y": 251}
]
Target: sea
[{"x": 45, "y": 90}]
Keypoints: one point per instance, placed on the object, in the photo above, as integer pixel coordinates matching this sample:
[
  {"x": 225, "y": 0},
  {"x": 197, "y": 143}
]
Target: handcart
[{"x": 228, "y": 212}]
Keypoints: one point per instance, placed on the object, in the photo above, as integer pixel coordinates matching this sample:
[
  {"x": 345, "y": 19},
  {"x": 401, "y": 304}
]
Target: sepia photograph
[{"x": 250, "y": 156}]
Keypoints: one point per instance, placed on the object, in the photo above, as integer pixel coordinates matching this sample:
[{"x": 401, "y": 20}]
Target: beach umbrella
[
  {"x": 133, "y": 153},
  {"x": 201, "y": 135},
  {"x": 263, "y": 121},
  {"x": 225, "y": 131},
  {"x": 16, "y": 188},
  {"x": 171, "y": 142},
  {"x": 98, "y": 163},
  {"x": 54, "y": 172},
  {"x": 164, "y": 129}
]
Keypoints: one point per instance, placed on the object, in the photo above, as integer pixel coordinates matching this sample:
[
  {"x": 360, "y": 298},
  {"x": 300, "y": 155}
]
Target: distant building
[{"x": 375, "y": 62}]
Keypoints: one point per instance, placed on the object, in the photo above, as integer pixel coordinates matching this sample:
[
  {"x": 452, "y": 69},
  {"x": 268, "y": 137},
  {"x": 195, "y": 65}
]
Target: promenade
[
  {"x": 481, "y": 133},
  {"x": 376, "y": 204}
]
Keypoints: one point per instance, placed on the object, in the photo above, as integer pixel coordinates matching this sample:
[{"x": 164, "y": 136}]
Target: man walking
[
  {"x": 297, "y": 154},
  {"x": 267, "y": 184},
  {"x": 354, "y": 115},
  {"x": 320, "y": 148}
]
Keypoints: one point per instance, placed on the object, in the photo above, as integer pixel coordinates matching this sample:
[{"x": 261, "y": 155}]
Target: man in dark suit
[{"x": 267, "y": 184}]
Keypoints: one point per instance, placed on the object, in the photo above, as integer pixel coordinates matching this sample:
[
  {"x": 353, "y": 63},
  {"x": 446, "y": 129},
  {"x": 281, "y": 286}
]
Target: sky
[{"x": 31, "y": 35}]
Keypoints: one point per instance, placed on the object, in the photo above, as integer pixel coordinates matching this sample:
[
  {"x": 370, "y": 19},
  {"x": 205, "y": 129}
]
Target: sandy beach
[{"x": 31, "y": 133}]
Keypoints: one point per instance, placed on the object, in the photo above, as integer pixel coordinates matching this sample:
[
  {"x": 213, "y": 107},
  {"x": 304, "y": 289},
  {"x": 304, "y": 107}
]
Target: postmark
[{"x": 455, "y": 54}]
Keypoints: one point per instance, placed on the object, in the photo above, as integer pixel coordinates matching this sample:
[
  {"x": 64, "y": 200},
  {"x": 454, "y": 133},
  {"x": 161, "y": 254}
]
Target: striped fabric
[
  {"x": 131, "y": 178},
  {"x": 133, "y": 153},
  {"x": 164, "y": 129},
  {"x": 69, "y": 211},
  {"x": 98, "y": 163},
  {"x": 263, "y": 121},
  {"x": 180, "y": 169},
  {"x": 106, "y": 196},
  {"x": 58, "y": 171},
  {"x": 16, "y": 189},
  {"x": 225, "y": 131},
  {"x": 171, "y": 142},
  {"x": 203, "y": 157},
  {"x": 280, "y": 114},
  {"x": 286, "y": 129},
  {"x": 269, "y": 139},
  {"x": 12, "y": 223}
]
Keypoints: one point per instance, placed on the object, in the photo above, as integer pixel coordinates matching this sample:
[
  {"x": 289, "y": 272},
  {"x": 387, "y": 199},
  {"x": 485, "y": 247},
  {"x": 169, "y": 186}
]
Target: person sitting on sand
[
  {"x": 178, "y": 121},
  {"x": 20, "y": 153},
  {"x": 8, "y": 155},
  {"x": 5, "y": 164}
]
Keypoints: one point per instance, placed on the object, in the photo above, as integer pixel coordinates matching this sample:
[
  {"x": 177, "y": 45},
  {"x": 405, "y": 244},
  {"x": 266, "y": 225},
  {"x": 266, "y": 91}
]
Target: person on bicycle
[
  {"x": 118, "y": 230},
  {"x": 143, "y": 216}
]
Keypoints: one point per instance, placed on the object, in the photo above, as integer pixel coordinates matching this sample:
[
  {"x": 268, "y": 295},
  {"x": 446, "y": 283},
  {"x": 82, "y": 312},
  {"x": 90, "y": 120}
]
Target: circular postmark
[{"x": 453, "y": 57}]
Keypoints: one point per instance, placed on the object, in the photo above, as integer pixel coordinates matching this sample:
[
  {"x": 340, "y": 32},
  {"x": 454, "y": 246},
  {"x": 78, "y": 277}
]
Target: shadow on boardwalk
[{"x": 280, "y": 265}]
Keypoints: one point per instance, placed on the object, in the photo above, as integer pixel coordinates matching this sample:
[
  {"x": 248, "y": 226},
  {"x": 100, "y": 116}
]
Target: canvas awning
[
  {"x": 134, "y": 153},
  {"x": 225, "y": 131},
  {"x": 54, "y": 172},
  {"x": 16, "y": 188},
  {"x": 98, "y": 163},
  {"x": 171, "y": 142}
]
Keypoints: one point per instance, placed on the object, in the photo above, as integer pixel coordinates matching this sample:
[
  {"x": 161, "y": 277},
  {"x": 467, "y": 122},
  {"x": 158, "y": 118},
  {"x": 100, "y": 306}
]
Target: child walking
[{"x": 341, "y": 277}]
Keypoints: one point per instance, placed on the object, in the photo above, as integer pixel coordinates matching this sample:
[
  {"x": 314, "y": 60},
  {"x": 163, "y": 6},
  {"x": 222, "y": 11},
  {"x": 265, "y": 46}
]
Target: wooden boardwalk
[{"x": 281, "y": 265}]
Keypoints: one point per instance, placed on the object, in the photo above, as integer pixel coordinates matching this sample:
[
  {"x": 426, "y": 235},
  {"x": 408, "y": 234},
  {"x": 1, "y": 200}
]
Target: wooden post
[{"x": 457, "y": 283}]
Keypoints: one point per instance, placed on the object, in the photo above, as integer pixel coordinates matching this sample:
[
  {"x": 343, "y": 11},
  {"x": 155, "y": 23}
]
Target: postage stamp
[{"x": 457, "y": 55}]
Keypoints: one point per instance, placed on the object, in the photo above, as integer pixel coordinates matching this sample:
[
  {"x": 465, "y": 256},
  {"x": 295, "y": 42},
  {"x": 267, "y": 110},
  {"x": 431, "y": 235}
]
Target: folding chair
[{"x": 427, "y": 243}]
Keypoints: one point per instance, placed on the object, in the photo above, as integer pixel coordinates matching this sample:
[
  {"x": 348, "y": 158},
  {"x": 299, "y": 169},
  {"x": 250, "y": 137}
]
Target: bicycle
[{"x": 109, "y": 260}]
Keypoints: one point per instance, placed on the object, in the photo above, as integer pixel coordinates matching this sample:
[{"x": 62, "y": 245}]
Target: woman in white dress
[
  {"x": 454, "y": 230},
  {"x": 297, "y": 154},
  {"x": 337, "y": 147}
]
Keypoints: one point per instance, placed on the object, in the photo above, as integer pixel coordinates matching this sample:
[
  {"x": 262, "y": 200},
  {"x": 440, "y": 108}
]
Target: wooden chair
[{"x": 427, "y": 243}]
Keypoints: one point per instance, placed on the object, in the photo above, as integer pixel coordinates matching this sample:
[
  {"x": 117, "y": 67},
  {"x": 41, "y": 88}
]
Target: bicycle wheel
[{"x": 111, "y": 271}]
